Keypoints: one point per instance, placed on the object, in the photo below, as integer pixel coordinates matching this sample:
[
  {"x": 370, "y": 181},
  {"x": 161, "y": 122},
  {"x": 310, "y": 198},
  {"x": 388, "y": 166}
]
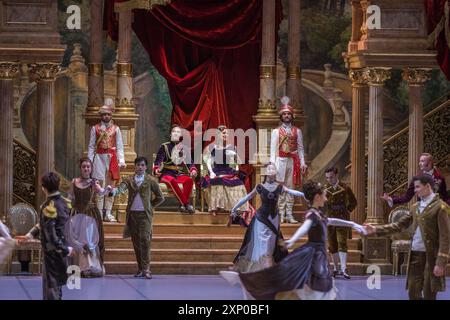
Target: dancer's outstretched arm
[
  {"x": 345, "y": 223},
  {"x": 303, "y": 230},
  {"x": 4, "y": 231},
  {"x": 242, "y": 201},
  {"x": 293, "y": 192}
]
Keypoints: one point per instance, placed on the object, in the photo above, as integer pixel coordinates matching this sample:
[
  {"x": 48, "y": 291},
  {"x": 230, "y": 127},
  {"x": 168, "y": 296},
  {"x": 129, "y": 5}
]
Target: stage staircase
[{"x": 193, "y": 244}]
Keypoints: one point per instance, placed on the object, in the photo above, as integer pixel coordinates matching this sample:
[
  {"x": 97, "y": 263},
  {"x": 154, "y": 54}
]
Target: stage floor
[{"x": 186, "y": 287}]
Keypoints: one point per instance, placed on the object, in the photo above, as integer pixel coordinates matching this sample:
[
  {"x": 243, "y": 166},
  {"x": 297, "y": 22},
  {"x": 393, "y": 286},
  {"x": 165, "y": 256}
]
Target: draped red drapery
[
  {"x": 436, "y": 14},
  {"x": 209, "y": 51}
]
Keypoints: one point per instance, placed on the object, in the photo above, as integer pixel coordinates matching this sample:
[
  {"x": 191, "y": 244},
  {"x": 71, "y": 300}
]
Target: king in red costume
[{"x": 171, "y": 168}]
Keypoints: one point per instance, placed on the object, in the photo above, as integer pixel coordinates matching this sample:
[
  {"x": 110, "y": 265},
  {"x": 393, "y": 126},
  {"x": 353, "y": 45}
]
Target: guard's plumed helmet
[
  {"x": 107, "y": 107},
  {"x": 286, "y": 107}
]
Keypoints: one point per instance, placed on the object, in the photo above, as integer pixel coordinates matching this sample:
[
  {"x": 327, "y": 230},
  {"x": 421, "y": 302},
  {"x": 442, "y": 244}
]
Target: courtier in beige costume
[
  {"x": 286, "y": 151},
  {"x": 105, "y": 150}
]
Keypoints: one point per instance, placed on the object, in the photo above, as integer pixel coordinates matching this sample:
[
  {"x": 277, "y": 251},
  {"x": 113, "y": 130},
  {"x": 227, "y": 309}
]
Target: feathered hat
[
  {"x": 107, "y": 107},
  {"x": 285, "y": 106}
]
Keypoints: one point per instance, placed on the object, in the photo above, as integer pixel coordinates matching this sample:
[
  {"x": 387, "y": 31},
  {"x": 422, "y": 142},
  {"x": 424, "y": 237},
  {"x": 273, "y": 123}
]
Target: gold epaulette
[
  {"x": 445, "y": 207},
  {"x": 50, "y": 211}
]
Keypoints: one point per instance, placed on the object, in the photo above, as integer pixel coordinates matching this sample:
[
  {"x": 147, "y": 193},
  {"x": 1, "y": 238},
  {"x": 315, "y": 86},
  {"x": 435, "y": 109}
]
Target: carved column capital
[
  {"x": 377, "y": 76},
  {"x": 43, "y": 71},
  {"x": 358, "y": 77},
  {"x": 9, "y": 70},
  {"x": 417, "y": 76}
]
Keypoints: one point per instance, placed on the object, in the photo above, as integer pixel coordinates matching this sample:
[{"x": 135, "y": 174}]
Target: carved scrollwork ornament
[
  {"x": 9, "y": 70},
  {"x": 417, "y": 76},
  {"x": 43, "y": 71}
]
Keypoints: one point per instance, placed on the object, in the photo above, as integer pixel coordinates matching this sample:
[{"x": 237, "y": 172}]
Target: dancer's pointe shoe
[
  {"x": 345, "y": 275},
  {"x": 232, "y": 277}
]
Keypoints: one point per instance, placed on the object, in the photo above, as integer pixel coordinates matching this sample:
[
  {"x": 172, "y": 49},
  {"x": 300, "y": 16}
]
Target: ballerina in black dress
[
  {"x": 260, "y": 248},
  {"x": 304, "y": 273}
]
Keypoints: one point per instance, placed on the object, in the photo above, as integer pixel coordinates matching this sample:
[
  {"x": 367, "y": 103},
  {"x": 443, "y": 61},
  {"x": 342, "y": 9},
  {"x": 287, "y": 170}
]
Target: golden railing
[
  {"x": 395, "y": 148},
  {"x": 24, "y": 175}
]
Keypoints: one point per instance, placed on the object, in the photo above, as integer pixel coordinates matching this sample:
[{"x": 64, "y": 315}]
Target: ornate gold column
[
  {"x": 8, "y": 71},
  {"x": 44, "y": 74},
  {"x": 376, "y": 78},
  {"x": 124, "y": 114},
  {"x": 358, "y": 149},
  {"x": 376, "y": 249},
  {"x": 95, "y": 67},
  {"x": 266, "y": 117},
  {"x": 416, "y": 78},
  {"x": 293, "y": 74}
]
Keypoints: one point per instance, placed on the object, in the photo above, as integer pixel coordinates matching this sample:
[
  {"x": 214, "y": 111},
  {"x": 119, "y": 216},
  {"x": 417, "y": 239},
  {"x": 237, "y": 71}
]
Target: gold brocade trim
[
  {"x": 9, "y": 70},
  {"x": 95, "y": 69},
  {"x": 139, "y": 4},
  {"x": 293, "y": 72},
  {"x": 267, "y": 72},
  {"x": 125, "y": 69},
  {"x": 331, "y": 191}
]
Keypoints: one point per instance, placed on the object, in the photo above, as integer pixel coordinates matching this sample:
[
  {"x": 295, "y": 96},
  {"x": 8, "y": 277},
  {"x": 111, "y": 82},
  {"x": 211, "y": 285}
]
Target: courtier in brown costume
[
  {"x": 341, "y": 201},
  {"x": 430, "y": 242},
  {"x": 140, "y": 187}
]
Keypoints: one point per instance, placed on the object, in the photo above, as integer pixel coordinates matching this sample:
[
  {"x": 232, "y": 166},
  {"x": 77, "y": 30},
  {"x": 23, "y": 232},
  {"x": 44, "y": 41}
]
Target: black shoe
[
  {"x": 190, "y": 209},
  {"x": 182, "y": 209},
  {"x": 147, "y": 275},
  {"x": 335, "y": 273},
  {"x": 139, "y": 274},
  {"x": 345, "y": 275}
]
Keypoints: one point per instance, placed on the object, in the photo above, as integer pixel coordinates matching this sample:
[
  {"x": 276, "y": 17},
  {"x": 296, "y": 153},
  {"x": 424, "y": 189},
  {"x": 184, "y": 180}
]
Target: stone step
[
  {"x": 197, "y": 241},
  {"x": 192, "y": 268},
  {"x": 192, "y": 255},
  {"x": 117, "y": 228},
  {"x": 171, "y": 217},
  {"x": 166, "y": 217},
  {"x": 210, "y": 268},
  {"x": 173, "y": 255}
]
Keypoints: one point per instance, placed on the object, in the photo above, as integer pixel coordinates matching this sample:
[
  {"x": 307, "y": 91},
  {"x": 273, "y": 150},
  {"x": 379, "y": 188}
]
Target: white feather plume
[
  {"x": 109, "y": 102},
  {"x": 285, "y": 100}
]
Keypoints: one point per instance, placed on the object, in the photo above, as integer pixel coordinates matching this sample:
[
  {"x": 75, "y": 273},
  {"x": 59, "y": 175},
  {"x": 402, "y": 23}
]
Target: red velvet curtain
[
  {"x": 435, "y": 11},
  {"x": 209, "y": 51}
]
